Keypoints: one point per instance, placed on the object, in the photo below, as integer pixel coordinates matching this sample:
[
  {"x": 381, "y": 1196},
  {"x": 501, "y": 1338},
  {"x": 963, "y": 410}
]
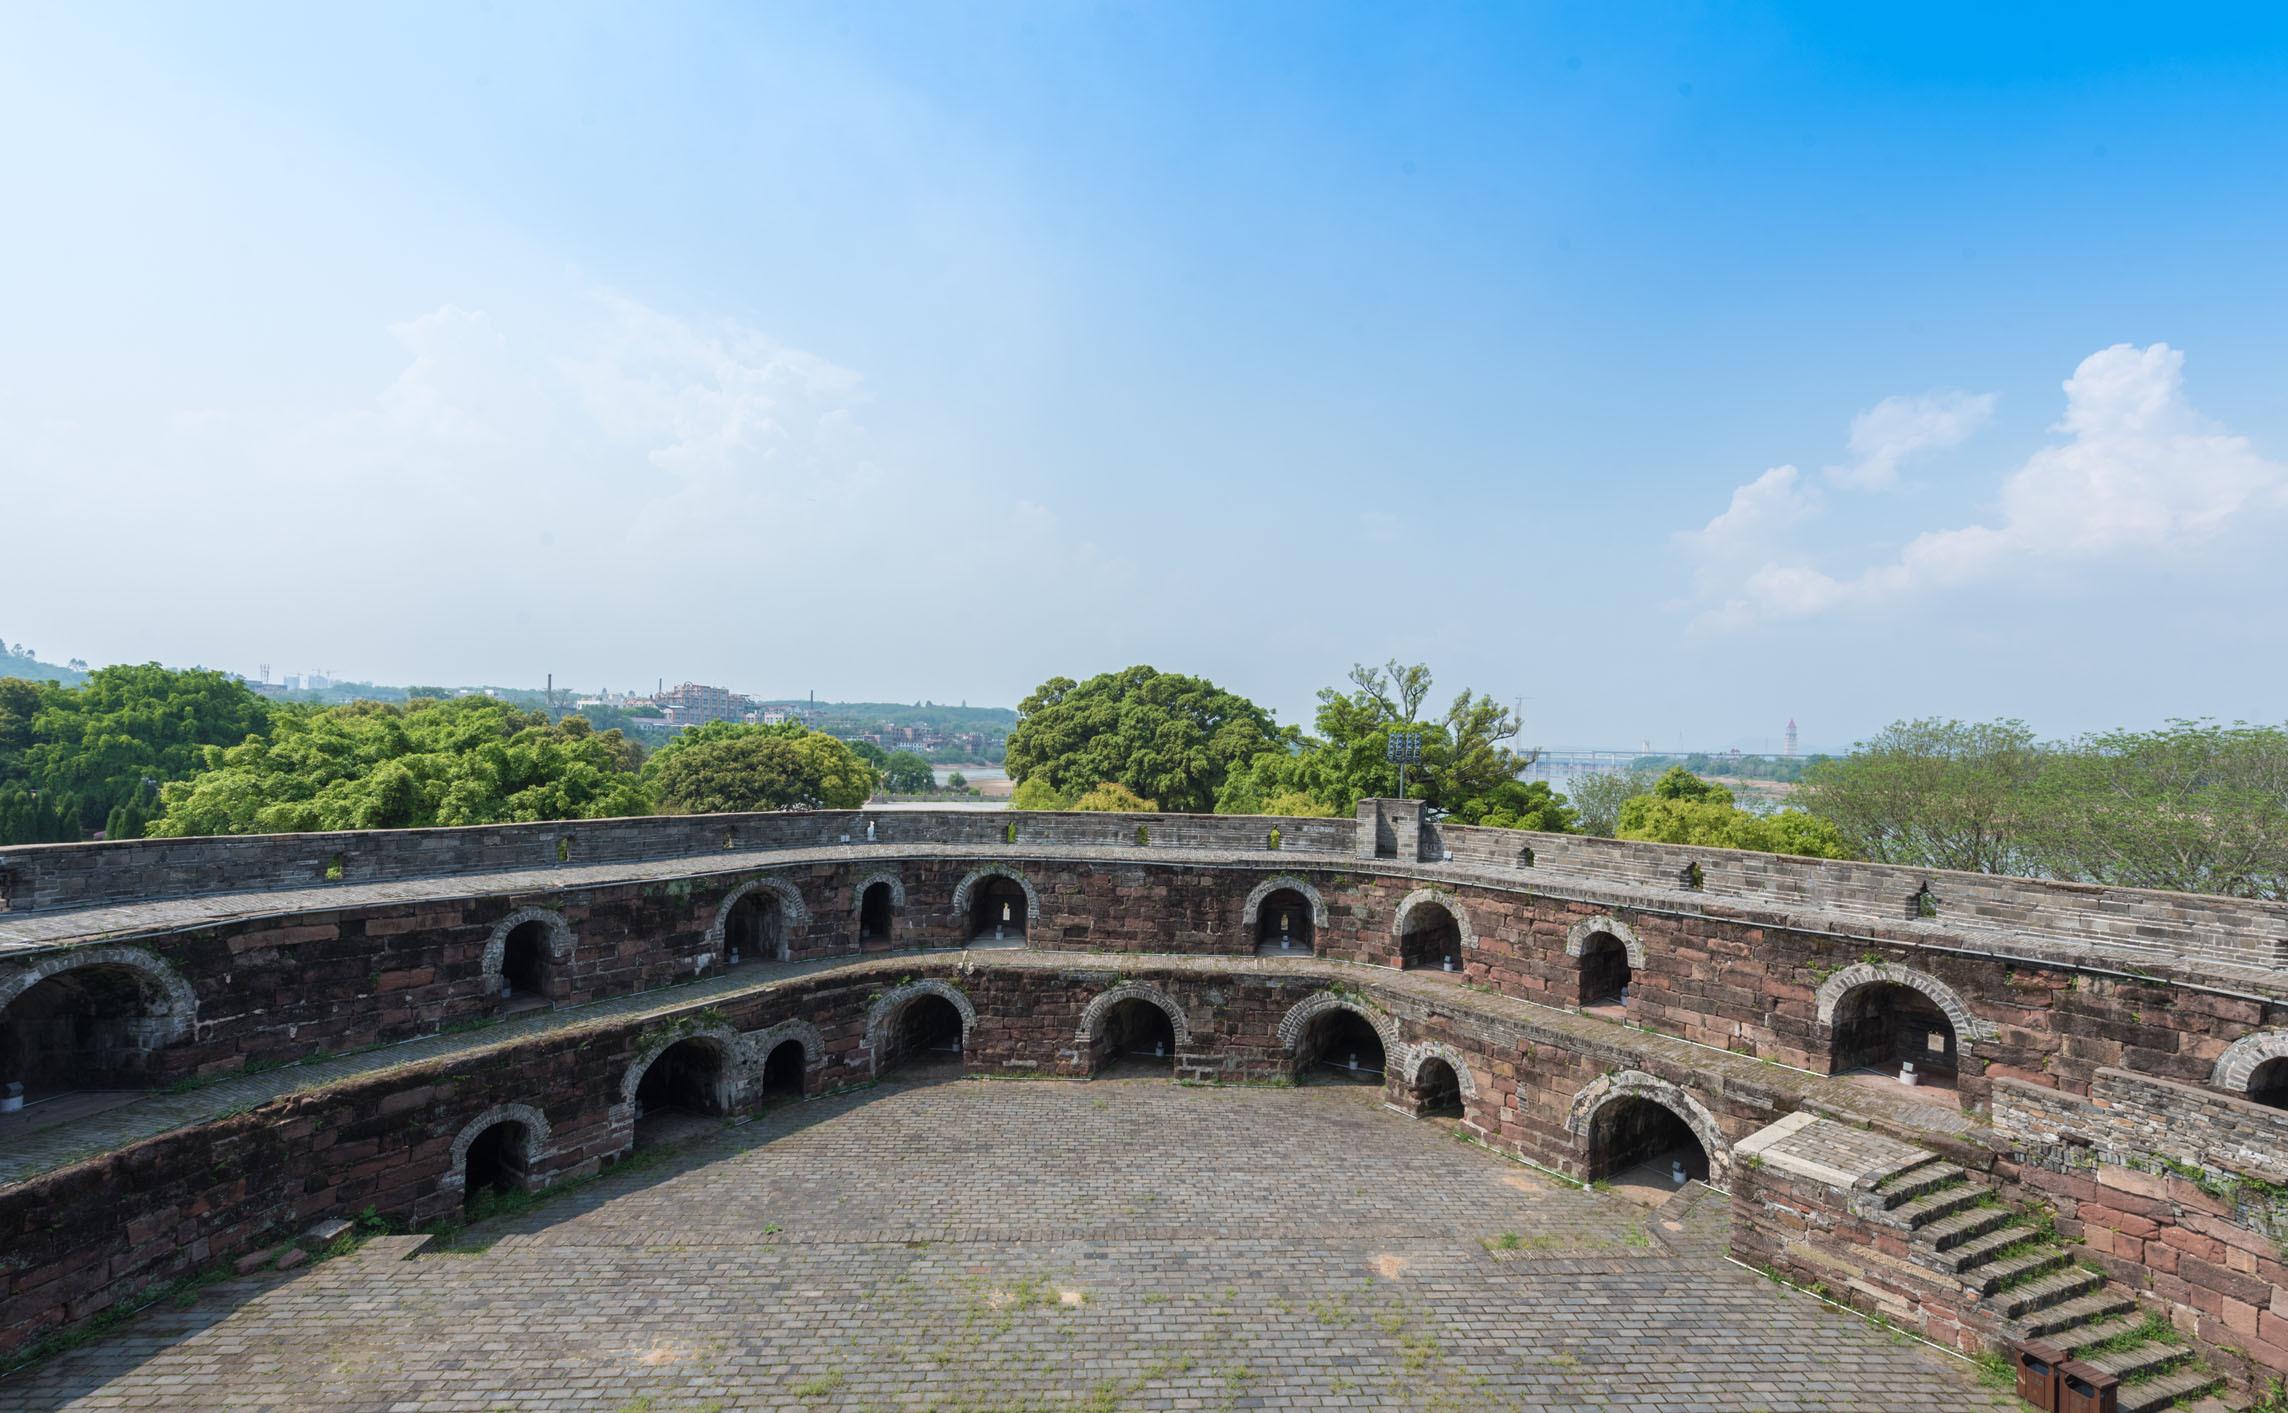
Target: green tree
[
  {"x": 1677, "y": 783},
  {"x": 1598, "y": 797},
  {"x": 123, "y": 733},
  {"x": 870, "y": 753},
  {"x": 1519, "y": 804},
  {"x": 1684, "y": 809},
  {"x": 1037, "y": 794},
  {"x": 1295, "y": 804},
  {"x": 957, "y": 781},
  {"x": 908, "y": 773},
  {"x": 1936, "y": 794},
  {"x": 1112, "y": 797},
  {"x": 1165, "y": 736},
  {"x": 720, "y": 768},
  {"x": 377, "y": 765},
  {"x": 2194, "y": 807},
  {"x": 1468, "y": 769}
]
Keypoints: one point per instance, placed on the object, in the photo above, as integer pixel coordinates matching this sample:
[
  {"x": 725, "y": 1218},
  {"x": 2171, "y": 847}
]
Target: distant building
[
  {"x": 1791, "y": 736},
  {"x": 694, "y": 703}
]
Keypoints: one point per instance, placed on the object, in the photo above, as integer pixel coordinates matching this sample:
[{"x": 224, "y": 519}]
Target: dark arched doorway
[
  {"x": 682, "y": 1092},
  {"x": 877, "y": 915},
  {"x": 496, "y": 1165},
  {"x": 1431, "y": 939},
  {"x": 755, "y": 931},
  {"x": 524, "y": 966},
  {"x": 88, "y": 1032},
  {"x": 1136, "y": 1037},
  {"x": 924, "y": 1039},
  {"x": 783, "y": 1072},
  {"x": 1339, "y": 1045},
  {"x": 1641, "y": 1145},
  {"x": 1605, "y": 974},
  {"x": 1283, "y": 925},
  {"x": 997, "y": 911},
  {"x": 2268, "y": 1083},
  {"x": 1882, "y": 1027},
  {"x": 1437, "y": 1091}
]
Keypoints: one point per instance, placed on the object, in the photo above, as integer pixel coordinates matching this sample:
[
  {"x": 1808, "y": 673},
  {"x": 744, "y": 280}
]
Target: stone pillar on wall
[{"x": 1389, "y": 829}]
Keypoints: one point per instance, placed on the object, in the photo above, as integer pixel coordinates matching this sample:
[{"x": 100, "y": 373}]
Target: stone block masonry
[{"x": 2112, "y": 1039}]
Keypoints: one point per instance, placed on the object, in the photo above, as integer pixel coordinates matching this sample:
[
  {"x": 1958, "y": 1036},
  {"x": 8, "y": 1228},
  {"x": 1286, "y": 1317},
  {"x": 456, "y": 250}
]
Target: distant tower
[{"x": 1791, "y": 736}]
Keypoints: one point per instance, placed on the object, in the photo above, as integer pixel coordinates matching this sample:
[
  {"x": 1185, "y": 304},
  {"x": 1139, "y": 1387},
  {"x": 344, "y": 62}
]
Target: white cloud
[
  {"x": 2139, "y": 477},
  {"x": 1898, "y": 427},
  {"x": 1752, "y": 527}
]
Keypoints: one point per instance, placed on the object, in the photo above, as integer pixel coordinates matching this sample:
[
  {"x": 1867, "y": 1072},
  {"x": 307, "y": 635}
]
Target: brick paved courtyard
[{"x": 969, "y": 1245}]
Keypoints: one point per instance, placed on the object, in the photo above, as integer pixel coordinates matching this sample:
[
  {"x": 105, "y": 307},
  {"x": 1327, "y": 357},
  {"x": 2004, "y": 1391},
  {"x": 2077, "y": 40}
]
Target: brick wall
[
  {"x": 2129, "y": 923},
  {"x": 2179, "y": 1192},
  {"x": 82, "y": 1237},
  {"x": 335, "y": 979}
]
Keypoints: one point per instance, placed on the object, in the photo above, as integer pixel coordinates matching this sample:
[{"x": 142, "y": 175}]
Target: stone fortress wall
[{"x": 2105, "y": 1043}]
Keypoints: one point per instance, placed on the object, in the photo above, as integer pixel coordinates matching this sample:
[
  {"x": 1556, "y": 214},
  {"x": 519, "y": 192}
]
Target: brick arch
[
  {"x": 760, "y": 1043},
  {"x": 790, "y": 901},
  {"x": 1318, "y": 1003},
  {"x": 560, "y": 939},
  {"x": 1102, "y": 1003},
  {"x": 1627, "y": 1084},
  {"x": 536, "y": 1141},
  {"x": 975, "y": 876},
  {"x": 1578, "y": 935},
  {"x": 176, "y": 1014},
  {"x": 1967, "y": 1027},
  {"x": 1443, "y": 899},
  {"x": 1272, "y": 885},
  {"x": 880, "y": 875},
  {"x": 1417, "y": 1055},
  {"x": 887, "y": 1006},
  {"x": 726, "y": 1041},
  {"x": 2237, "y": 1065}
]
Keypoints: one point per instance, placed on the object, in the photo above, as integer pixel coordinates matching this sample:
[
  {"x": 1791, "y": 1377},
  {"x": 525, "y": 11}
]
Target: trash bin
[
  {"x": 2037, "y": 1365},
  {"x": 2085, "y": 1388}
]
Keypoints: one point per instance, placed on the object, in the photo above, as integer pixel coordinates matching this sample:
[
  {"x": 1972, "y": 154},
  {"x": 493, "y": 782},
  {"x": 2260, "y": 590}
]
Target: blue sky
[{"x": 1678, "y": 369}]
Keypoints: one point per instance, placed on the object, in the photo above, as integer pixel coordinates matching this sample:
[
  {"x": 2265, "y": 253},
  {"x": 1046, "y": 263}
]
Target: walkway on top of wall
[
  {"x": 23, "y": 933},
  {"x": 1416, "y": 995}
]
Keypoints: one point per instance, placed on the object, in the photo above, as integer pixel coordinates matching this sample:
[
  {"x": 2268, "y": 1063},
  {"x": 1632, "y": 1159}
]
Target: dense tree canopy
[
  {"x": 720, "y": 767},
  {"x": 1468, "y": 769},
  {"x": 908, "y": 773},
  {"x": 97, "y": 754},
  {"x": 1937, "y": 794},
  {"x": 1598, "y": 796},
  {"x": 1111, "y": 797},
  {"x": 2193, "y": 806},
  {"x": 1682, "y": 808},
  {"x": 1038, "y": 794},
  {"x": 375, "y": 765},
  {"x": 1164, "y": 736}
]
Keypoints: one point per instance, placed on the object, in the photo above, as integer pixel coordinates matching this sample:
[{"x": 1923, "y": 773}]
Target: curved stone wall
[{"x": 1732, "y": 1009}]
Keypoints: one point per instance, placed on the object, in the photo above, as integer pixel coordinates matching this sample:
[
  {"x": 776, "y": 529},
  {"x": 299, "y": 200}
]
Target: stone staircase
[{"x": 2030, "y": 1287}]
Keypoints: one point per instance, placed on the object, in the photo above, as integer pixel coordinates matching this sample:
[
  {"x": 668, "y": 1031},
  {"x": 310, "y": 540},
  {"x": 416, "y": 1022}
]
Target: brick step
[
  {"x": 2081, "y": 1337},
  {"x": 2042, "y": 1292},
  {"x": 2167, "y": 1390},
  {"x": 1942, "y": 1201},
  {"x": 1979, "y": 1244},
  {"x": 2141, "y": 1361},
  {"x": 1995, "y": 1276},
  {"x": 2048, "y": 1320},
  {"x": 1905, "y": 1187},
  {"x": 1973, "y": 1227}
]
